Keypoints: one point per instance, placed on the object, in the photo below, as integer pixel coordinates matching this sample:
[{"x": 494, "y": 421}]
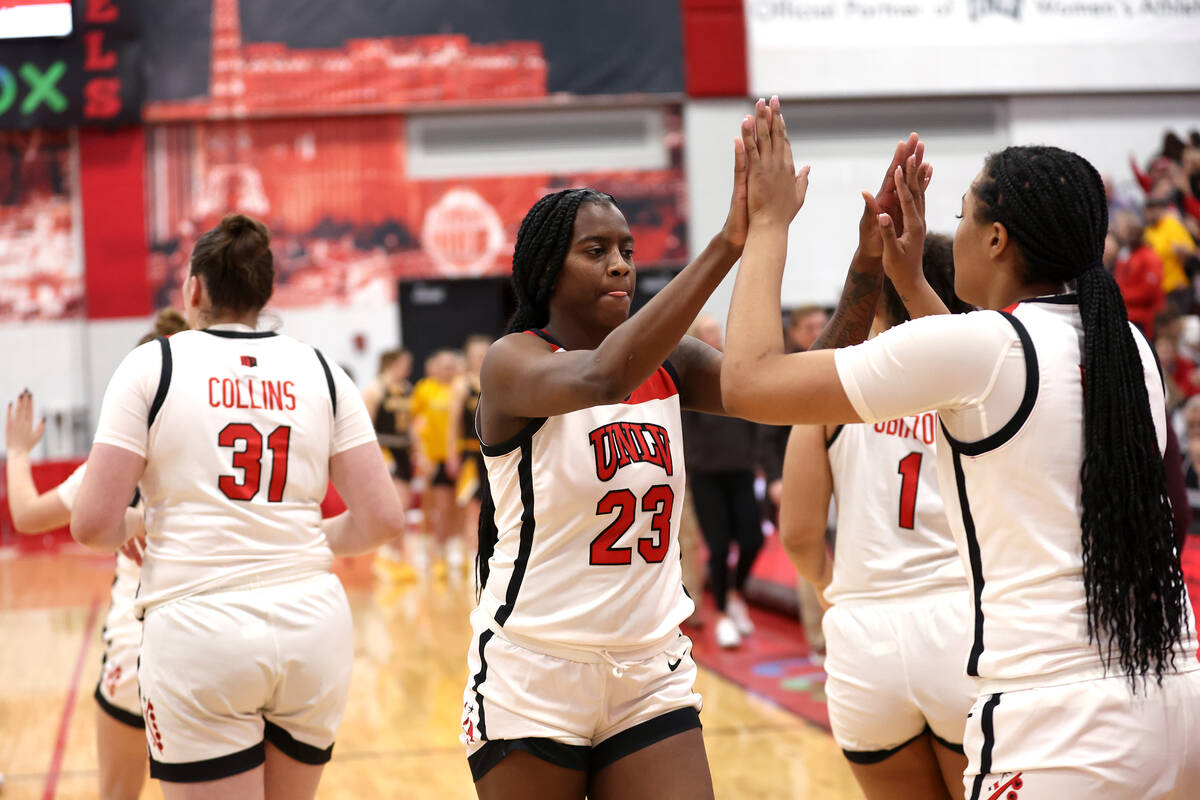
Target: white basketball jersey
[
  {"x": 1013, "y": 500},
  {"x": 241, "y": 427},
  {"x": 587, "y": 509},
  {"x": 893, "y": 538}
]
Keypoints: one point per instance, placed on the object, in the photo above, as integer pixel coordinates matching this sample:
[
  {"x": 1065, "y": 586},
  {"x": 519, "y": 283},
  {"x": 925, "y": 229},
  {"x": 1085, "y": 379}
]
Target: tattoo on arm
[{"x": 851, "y": 321}]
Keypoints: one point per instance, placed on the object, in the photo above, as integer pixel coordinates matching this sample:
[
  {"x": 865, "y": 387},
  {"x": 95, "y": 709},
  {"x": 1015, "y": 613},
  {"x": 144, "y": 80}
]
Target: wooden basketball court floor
[{"x": 400, "y": 735}]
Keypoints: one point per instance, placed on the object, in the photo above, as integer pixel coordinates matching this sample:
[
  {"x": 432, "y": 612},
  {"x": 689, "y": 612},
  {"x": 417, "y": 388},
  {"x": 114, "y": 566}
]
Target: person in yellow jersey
[
  {"x": 431, "y": 402},
  {"x": 388, "y": 399},
  {"x": 465, "y": 461},
  {"x": 1168, "y": 237}
]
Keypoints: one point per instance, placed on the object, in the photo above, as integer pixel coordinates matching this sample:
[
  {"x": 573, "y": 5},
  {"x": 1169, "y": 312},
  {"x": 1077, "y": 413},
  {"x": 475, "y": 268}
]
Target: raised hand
[
  {"x": 775, "y": 190},
  {"x": 886, "y": 200},
  {"x": 21, "y": 433},
  {"x": 737, "y": 223},
  {"x": 903, "y": 249}
]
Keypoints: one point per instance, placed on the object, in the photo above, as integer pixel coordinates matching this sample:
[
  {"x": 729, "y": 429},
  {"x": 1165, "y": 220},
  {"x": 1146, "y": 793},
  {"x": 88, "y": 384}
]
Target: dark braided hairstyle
[
  {"x": 1052, "y": 204},
  {"x": 542, "y": 244},
  {"x": 937, "y": 262}
]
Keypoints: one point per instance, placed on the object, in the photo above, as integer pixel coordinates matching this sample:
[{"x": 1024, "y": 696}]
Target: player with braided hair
[{"x": 1052, "y": 428}]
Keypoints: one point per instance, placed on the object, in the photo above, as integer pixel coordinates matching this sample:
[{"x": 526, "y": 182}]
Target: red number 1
[{"x": 910, "y": 470}]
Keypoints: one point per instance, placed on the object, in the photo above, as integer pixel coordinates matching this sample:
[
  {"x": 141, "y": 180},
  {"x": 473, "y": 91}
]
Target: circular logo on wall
[{"x": 462, "y": 233}]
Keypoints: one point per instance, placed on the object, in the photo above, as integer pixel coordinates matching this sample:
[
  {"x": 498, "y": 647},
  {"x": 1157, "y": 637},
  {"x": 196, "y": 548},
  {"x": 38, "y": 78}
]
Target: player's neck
[
  {"x": 573, "y": 335},
  {"x": 211, "y": 318}
]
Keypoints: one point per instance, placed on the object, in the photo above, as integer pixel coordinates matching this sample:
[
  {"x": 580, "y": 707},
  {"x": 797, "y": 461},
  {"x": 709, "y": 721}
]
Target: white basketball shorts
[
  {"x": 895, "y": 668},
  {"x": 1092, "y": 738},
  {"x": 117, "y": 688},
  {"x": 223, "y": 672},
  {"x": 578, "y": 709}
]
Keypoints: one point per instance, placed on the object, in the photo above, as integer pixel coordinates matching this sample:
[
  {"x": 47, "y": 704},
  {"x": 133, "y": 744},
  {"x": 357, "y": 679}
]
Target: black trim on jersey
[
  {"x": 541, "y": 334},
  {"x": 240, "y": 334},
  {"x": 833, "y": 436},
  {"x": 875, "y": 756},
  {"x": 211, "y": 769},
  {"x": 137, "y": 498},
  {"x": 119, "y": 714},
  {"x": 974, "y": 557},
  {"x": 480, "y": 677},
  {"x": 989, "y": 740},
  {"x": 670, "y": 368},
  {"x": 164, "y": 380},
  {"x": 328, "y": 380},
  {"x": 1154, "y": 352},
  {"x": 1069, "y": 299},
  {"x": 528, "y": 526},
  {"x": 297, "y": 751},
  {"x": 569, "y": 756},
  {"x": 518, "y": 439},
  {"x": 1023, "y": 411},
  {"x": 641, "y": 736}
]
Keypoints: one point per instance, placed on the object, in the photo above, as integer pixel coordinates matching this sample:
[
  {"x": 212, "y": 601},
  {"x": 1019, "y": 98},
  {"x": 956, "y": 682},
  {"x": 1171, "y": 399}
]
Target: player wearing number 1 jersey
[
  {"x": 233, "y": 435},
  {"x": 898, "y": 628}
]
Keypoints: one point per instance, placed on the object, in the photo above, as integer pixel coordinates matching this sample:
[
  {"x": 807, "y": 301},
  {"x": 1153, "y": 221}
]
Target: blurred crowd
[{"x": 1151, "y": 250}]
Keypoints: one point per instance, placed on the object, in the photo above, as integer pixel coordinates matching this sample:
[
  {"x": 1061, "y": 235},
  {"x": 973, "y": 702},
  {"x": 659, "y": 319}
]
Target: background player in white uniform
[
  {"x": 899, "y": 628},
  {"x": 1049, "y": 457},
  {"x": 120, "y": 730},
  {"x": 234, "y": 435},
  {"x": 580, "y": 679}
]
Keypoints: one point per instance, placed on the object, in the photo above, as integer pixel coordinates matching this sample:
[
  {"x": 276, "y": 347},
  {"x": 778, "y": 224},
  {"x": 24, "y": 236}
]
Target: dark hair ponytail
[
  {"x": 542, "y": 244},
  {"x": 1053, "y": 206},
  {"x": 235, "y": 261}
]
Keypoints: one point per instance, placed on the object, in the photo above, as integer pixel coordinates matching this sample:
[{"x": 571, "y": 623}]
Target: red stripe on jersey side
[
  {"x": 1012, "y": 308},
  {"x": 658, "y": 386}
]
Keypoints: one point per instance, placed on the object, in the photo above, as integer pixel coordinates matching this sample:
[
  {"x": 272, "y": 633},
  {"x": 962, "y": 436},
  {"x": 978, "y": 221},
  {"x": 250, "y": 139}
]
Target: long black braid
[
  {"x": 542, "y": 244},
  {"x": 1053, "y": 206}
]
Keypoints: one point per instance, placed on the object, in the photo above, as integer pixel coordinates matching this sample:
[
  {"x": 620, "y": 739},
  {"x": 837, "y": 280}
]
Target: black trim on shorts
[
  {"x": 833, "y": 436},
  {"x": 1011, "y": 427},
  {"x": 441, "y": 477},
  {"x": 569, "y": 756},
  {"x": 164, "y": 380},
  {"x": 240, "y": 334},
  {"x": 212, "y": 769},
  {"x": 328, "y": 380},
  {"x": 119, "y": 714},
  {"x": 641, "y": 736},
  {"x": 951, "y": 746},
  {"x": 875, "y": 756},
  {"x": 528, "y": 526},
  {"x": 480, "y": 677},
  {"x": 297, "y": 751},
  {"x": 989, "y": 740}
]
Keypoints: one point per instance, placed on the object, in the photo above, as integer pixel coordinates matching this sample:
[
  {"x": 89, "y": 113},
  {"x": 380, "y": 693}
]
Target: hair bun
[{"x": 236, "y": 224}]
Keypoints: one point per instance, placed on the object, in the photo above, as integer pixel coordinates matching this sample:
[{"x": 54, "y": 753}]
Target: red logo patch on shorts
[
  {"x": 1006, "y": 789},
  {"x": 152, "y": 721},
  {"x": 111, "y": 678}
]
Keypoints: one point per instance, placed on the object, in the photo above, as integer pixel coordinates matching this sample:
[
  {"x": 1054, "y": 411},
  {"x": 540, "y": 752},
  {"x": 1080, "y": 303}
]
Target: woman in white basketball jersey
[
  {"x": 120, "y": 730},
  {"x": 234, "y": 435},
  {"x": 1051, "y": 429},
  {"x": 898, "y": 629}
]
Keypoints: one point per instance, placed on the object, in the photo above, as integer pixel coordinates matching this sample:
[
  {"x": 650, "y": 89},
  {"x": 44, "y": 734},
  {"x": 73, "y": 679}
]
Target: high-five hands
[
  {"x": 904, "y": 234},
  {"x": 775, "y": 189},
  {"x": 887, "y": 201}
]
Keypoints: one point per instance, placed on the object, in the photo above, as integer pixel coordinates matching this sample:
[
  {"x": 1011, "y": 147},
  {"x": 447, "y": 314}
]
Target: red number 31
[{"x": 249, "y": 461}]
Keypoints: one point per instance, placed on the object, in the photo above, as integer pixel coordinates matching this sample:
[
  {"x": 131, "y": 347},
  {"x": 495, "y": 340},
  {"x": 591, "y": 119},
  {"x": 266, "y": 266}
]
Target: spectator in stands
[
  {"x": 1166, "y": 234},
  {"x": 1183, "y": 381},
  {"x": 721, "y": 456},
  {"x": 1138, "y": 271}
]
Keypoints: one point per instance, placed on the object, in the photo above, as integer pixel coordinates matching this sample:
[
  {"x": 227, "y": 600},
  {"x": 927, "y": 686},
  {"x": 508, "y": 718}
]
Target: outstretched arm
[
  {"x": 32, "y": 511},
  {"x": 851, "y": 320},
  {"x": 804, "y": 514}
]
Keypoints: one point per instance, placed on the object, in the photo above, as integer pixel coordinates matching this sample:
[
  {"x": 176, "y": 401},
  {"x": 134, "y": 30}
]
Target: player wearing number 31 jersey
[{"x": 234, "y": 435}]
